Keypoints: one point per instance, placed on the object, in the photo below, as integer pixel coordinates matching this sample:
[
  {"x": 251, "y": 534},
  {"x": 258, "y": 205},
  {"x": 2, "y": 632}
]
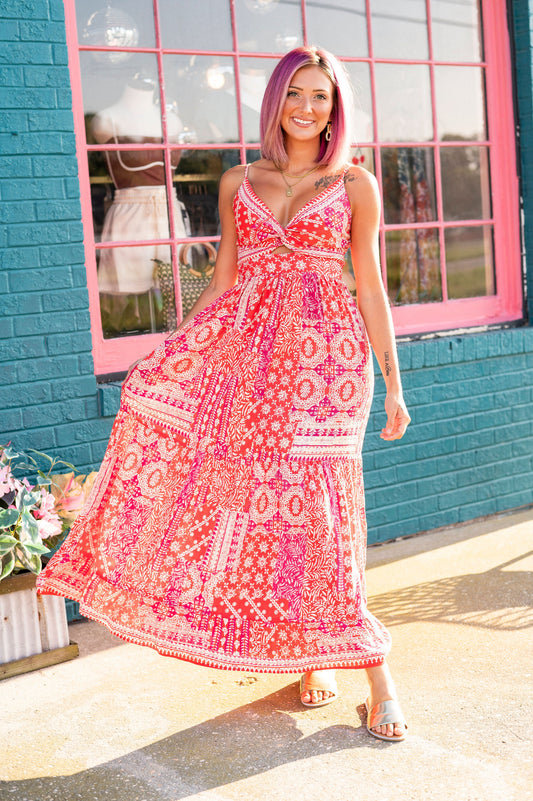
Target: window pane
[
  {"x": 121, "y": 100},
  {"x": 268, "y": 26},
  {"x": 359, "y": 75},
  {"x": 364, "y": 156},
  {"x": 403, "y": 103},
  {"x": 456, "y": 30},
  {"x": 145, "y": 305},
  {"x": 197, "y": 179},
  {"x": 202, "y": 89},
  {"x": 470, "y": 261},
  {"x": 339, "y": 26},
  {"x": 413, "y": 266},
  {"x": 408, "y": 184},
  {"x": 460, "y": 98},
  {"x": 399, "y": 29},
  {"x": 192, "y": 26},
  {"x": 465, "y": 183},
  {"x": 255, "y": 73},
  {"x": 197, "y": 263},
  {"x": 122, "y": 23}
]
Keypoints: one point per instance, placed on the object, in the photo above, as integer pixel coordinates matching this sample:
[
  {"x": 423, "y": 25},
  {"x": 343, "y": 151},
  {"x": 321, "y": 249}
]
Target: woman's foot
[
  {"x": 318, "y": 688},
  {"x": 382, "y": 689}
]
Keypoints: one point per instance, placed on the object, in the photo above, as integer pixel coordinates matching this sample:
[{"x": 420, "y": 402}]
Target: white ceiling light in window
[
  {"x": 261, "y": 6},
  {"x": 110, "y": 27}
]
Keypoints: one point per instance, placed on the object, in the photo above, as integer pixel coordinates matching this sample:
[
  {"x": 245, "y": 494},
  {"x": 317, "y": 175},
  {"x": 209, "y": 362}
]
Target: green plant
[{"x": 35, "y": 517}]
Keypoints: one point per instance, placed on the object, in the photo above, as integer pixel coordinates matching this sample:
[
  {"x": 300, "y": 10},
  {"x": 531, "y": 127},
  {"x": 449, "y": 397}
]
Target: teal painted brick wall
[
  {"x": 522, "y": 31},
  {"x": 48, "y": 392}
]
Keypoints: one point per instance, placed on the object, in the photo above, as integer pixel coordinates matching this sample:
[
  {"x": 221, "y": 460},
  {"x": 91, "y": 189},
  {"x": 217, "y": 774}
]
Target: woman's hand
[{"x": 397, "y": 418}]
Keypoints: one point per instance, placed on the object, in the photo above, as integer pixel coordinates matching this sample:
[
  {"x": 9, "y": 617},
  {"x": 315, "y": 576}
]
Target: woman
[{"x": 227, "y": 525}]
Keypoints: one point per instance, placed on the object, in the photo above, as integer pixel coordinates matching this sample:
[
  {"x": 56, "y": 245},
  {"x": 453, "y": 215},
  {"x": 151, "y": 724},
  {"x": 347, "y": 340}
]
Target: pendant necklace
[{"x": 300, "y": 178}]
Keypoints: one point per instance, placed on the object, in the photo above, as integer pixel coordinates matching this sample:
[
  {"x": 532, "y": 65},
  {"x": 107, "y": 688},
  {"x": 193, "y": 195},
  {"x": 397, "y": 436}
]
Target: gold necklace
[{"x": 300, "y": 178}]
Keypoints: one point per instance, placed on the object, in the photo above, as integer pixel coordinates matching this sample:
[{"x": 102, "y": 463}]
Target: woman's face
[{"x": 308, "y": 104}]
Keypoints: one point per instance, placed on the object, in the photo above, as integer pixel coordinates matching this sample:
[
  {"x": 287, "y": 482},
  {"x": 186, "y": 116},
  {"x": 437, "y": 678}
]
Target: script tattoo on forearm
[{"x": 388, "y": 367}]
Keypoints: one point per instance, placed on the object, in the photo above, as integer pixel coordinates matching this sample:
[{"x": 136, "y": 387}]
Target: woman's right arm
[{"x": 225, "y": 273}]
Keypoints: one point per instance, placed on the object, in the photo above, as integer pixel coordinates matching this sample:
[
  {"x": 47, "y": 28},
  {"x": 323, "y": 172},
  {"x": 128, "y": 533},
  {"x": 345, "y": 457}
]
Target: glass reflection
[
  {"x": 413, "y": 266},
  {"x": 403, "y": 101},
  {"x": 202, "y": 89},
  {"x": 408, "y": 184},
  {"x": 456, "y": 30},
  {"x": 119, "y": 23},
  {"x": 129, "y": 90},
  {"x": 359, "y": 75},
  {"x": 128, "y": 307},
  {"x": 254, "y": 76},
  {"x": 197, "y": 263},
  {"x": 465, "y": 183},
  {"x": 268, "y": 26},
  {"x": 470, "y": 261},
  {"x": 399, "y": 29},
  {"x": 193, "y": 26},
  {"x": 339, "y": 25},
  {"x": 197, "y": 179},
  {"x": 460, "y": 100}
]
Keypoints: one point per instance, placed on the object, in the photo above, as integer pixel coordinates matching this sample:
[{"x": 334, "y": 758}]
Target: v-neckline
[{"x": 294, "y": 216}]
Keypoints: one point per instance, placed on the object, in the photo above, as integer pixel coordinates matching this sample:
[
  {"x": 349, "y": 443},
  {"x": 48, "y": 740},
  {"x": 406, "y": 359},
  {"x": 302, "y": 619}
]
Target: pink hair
[{"x": 272, "y": 139}]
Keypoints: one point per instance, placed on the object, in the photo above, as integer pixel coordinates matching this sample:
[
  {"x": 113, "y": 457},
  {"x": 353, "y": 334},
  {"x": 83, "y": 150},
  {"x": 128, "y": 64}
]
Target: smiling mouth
[{"x": 299, "y": 121}]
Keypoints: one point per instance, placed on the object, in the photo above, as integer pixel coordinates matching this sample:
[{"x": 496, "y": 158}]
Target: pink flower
[
  {"x": 70, "y": 493},
  {"x": 48, "y": 520}
]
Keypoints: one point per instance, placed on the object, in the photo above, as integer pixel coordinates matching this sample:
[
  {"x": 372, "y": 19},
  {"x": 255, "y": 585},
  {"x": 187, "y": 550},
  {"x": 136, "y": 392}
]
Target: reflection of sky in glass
[
  {"x": 274, "y": 27},
  {"x": 338, "y": 26},
  {"x": 456, "y": 30},
  {"x": 403, "y": 102},
  {"x": 192, "y": 26},
  {"x": 460, "y": 102},
  {"x": 399, "y": 29},
  {"x": 359, "y": 75},
  {"x": 254, "y": 75}
]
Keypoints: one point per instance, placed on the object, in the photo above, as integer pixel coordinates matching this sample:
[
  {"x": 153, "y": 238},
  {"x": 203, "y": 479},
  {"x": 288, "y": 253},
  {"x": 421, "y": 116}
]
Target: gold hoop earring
[{"x": 327, "y": 135}]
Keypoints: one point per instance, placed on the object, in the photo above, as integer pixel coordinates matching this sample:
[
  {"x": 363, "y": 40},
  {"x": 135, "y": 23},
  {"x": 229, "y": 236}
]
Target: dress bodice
[{"x": 320, "y": 229}]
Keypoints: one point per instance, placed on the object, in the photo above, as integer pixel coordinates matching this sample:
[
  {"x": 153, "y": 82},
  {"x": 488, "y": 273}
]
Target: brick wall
[
  {"x": 48, "y": 394},
  {"x": 521, "y": 21}
]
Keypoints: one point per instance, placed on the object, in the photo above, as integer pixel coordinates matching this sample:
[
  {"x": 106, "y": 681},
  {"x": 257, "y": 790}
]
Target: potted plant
[{"x": 37, "y": 508}]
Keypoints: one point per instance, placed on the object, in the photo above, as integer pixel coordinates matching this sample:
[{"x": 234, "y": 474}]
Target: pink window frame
[{"x": 114, "y": 355}]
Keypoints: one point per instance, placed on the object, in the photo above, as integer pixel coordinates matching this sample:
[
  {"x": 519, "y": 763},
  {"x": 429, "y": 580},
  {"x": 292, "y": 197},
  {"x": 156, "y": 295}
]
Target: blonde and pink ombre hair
[{"x": 333, "y": 152}]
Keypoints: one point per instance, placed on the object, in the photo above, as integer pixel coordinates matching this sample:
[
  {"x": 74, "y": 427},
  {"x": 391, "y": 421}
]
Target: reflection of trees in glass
[
  {"x": 462, "y": 176},
  {"x": 197, "y": 180},
  {"x": 413, "y": 265}
]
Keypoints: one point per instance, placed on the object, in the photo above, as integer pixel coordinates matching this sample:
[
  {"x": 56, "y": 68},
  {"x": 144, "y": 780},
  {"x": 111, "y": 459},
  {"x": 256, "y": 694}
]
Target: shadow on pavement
[
  {"x": 495, "y": 599},
  {"x": 245, "y": 742}
]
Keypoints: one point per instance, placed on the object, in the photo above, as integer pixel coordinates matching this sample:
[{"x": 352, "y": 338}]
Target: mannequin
[{"x": 139, "y": 210}]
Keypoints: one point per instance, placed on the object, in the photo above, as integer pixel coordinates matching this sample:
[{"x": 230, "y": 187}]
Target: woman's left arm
[{"x": 372, "y": 300}]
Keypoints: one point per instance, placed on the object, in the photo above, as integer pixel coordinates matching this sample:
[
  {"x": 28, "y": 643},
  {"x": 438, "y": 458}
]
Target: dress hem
[{"x": 203, "y": 661}]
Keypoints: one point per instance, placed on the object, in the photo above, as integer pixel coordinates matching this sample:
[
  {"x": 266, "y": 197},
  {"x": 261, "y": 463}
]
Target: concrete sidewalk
[{"x": 121, "y": 723}]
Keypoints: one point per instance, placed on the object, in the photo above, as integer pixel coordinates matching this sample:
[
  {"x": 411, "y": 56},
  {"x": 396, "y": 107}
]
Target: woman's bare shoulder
[{"x": 361, "y": 186}]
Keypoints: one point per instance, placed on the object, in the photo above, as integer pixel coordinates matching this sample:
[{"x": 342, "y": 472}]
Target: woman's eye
[
  {"x": 321, "y": 97},
  {"x": 292, "y": 93}
]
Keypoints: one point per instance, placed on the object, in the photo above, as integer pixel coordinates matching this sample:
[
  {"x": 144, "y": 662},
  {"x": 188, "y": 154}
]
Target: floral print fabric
[{"x": 227, "y": 523}]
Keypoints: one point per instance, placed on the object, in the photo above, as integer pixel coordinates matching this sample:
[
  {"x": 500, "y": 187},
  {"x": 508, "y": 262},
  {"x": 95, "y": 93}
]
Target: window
[{"x": 167, "y": 96}]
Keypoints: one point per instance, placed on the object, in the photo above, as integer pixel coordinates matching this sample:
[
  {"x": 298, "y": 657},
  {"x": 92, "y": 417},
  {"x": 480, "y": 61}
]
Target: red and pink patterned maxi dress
[{"x": 227, "y": 523}]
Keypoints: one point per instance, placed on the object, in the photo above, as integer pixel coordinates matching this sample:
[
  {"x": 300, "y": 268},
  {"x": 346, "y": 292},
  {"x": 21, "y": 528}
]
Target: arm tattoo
[
  {"x": 326, "y": 180},
  {"x": 388, "y": 367}
]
